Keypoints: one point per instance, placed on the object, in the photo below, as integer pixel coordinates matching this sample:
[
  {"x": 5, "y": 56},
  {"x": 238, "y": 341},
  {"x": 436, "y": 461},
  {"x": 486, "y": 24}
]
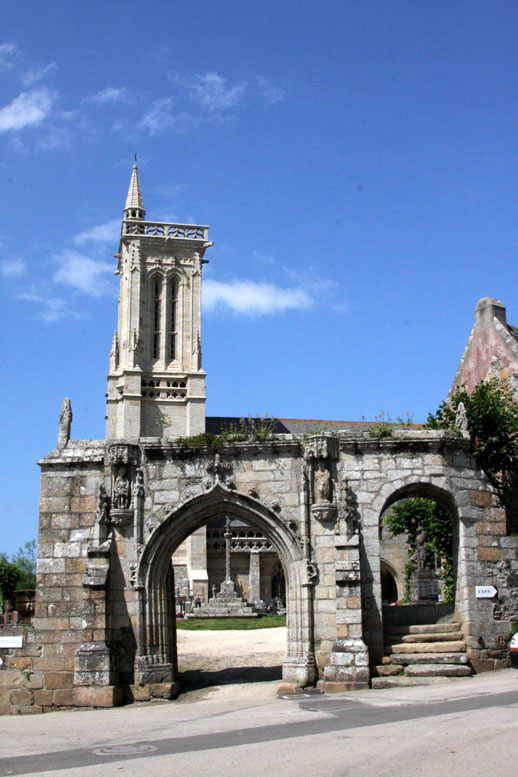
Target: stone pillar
[
  {"x": 255, "y": 576},
  {"x": 95, "y": 675},
  {"x": 349, "y": 667}
]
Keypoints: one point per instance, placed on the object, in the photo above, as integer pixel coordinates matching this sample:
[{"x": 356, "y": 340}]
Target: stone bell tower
[{"x": 156, "y": 386}]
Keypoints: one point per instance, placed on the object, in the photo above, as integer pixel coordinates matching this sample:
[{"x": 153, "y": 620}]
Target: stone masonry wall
[{"x": 84, "y": 642}]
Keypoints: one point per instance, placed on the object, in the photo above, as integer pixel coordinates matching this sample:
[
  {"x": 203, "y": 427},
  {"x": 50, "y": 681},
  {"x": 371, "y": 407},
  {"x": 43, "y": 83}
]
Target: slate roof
[{"x": 219, "y": 424}]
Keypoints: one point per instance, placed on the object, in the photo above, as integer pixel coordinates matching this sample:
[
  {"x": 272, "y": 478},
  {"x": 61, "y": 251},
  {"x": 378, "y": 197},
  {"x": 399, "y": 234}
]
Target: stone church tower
[{"x": 156, "y": 386}]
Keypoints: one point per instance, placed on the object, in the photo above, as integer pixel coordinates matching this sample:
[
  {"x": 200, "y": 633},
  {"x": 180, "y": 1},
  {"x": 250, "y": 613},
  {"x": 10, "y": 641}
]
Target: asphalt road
[{"x": 467, "y": 728}]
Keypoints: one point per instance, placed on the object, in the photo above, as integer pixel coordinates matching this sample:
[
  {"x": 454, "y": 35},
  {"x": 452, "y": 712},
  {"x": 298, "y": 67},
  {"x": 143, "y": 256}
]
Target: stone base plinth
[
  {"x": 342, "y": 687},
  {"x": 94, "y": 666},
  {"x": 148, "y": 691},
  {"x": 150, "y": 672},
  {"x": 349, "y": 667},
  {"x": 299, "y": 671},
  {"x": 226, "y": 604},
  {"x": 424, "y": 586},
  {"x": 103, "y": 696}
]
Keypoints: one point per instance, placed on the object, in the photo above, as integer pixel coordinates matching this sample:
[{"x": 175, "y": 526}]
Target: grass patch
[{"x": 222, "y": 624}]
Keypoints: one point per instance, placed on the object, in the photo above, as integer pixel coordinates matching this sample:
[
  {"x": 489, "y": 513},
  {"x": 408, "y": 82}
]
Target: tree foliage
[
  {"x": 492, "y": 413},
  {"x": 25, "y": 560},
  {"x": 407, "y": 517},
  {"x": 9, "y": 576},
  {"x": 20, "y": 572}
]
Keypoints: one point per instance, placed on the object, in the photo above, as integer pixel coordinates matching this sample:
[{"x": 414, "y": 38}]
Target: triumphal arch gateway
[{"x": 114, "y": 512}]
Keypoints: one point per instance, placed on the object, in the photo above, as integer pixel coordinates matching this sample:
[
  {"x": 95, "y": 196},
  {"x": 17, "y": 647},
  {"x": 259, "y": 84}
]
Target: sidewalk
[{"x": 66, "y": 730}]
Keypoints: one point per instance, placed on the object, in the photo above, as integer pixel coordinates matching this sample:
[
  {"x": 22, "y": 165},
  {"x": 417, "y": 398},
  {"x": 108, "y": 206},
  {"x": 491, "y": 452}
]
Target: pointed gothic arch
[{"x": 156, "y": 644}]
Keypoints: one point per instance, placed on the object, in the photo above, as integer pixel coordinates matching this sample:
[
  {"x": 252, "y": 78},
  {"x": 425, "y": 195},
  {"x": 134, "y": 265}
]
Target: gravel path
[{"x": 230, "y": 664}]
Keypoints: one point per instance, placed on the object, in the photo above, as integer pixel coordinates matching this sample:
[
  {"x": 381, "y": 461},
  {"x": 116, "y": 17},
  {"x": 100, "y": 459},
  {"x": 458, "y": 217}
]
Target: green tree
[
  {"x": 9, "y": 576},
  {"x": 406, "y": 517},
  {"x": 20, "y": 572},
  {"x": 492, "y": 413},
  {"x": 25, "y": 560}
]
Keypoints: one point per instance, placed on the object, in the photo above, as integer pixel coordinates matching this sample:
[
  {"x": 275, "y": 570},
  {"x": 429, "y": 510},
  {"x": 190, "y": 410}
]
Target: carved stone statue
[
  {"x": 322, "y": 483},
  {"x": 420, "y": 548},
  {"x": 139, "y": 485},
  {"x": 121, "y": 490},
  {"x": 461, "y": 418},
  {"x": 103, "y": 506},
  {"x": 312, "y": 571},
  {"x": 65, "y": 422}
]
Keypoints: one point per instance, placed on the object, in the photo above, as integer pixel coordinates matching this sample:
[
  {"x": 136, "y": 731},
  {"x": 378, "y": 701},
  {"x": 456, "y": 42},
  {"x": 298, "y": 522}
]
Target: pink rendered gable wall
[{"x": 486, "y": 343}]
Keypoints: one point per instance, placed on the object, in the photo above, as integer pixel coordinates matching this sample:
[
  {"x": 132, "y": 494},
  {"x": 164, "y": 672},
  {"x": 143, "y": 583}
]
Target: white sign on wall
[
  {"x": 11, "y": 642},
  {"x": 485, "y": 591}
]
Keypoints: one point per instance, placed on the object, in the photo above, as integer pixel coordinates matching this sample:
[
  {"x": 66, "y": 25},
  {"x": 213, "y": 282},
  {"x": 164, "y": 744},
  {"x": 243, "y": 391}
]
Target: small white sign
[
  {"x": 514, "y": 642},
  {"x": 485, "y": 591},
  {"x": 11, "y": 642}
]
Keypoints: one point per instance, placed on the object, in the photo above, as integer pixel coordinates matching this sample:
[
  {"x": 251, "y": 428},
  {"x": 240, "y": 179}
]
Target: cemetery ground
[{"x": 240, "y": 728}]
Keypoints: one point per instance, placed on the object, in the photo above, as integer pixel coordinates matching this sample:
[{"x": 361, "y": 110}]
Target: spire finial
[{"x": 134, "y": 208}]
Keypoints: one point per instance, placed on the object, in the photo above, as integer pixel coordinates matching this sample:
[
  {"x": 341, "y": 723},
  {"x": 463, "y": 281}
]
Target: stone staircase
[{"x": 422, "y": 655}]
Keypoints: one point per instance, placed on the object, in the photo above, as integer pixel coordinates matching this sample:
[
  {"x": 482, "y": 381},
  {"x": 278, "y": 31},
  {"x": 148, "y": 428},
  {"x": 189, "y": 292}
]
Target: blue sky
[{"x": 357, "y": 163}]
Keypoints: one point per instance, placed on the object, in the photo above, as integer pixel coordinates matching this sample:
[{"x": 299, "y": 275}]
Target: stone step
[
  {"x": 437, "y": 670},
  {"x": 402, "y": 681},
  {"x": 425, "y": 628},
  {"x": 428, "y": 647},
  {"x": 432, "y": 637},
  {"x": 401, "y": 659},
  {"x": 387, "y": 670}
]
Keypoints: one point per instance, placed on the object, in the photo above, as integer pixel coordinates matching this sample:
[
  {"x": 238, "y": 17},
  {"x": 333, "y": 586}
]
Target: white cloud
[
  {"x": 83, "y": 274},
  {"x": 103, "y": 233},
  {"x": 35, "y": 74},
  {"x": 7, "y": 51},
  {"x": 110, "y": 94},
  {"x": 14, "y": 268},
  {"x": 57, "y": 137},
  {"x": 54, "y": 308},
  {"x": 271, "y": 92},
  {"x": 211, "y": 91},
  {"x": 159, "y": 116},
  {"x": 264, "y": 258},
  {"x": 253, "y": 298},
  {"x": 27, "y": 110}
]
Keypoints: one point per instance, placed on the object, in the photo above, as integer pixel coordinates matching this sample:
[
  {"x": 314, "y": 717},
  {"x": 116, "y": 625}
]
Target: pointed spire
[{"x": 134, "y": 208}]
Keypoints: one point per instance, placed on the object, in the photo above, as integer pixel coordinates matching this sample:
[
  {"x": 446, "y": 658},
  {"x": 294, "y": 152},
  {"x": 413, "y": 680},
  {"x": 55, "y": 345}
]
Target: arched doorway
[
  {"x": 422, "y": 552},
  {"x": 389, "y": 587},
  {"x": 419, "y": 535},
  {"x": 156, "y": 661}
]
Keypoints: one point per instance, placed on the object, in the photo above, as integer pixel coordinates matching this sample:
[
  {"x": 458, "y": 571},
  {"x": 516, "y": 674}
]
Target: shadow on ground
[{"x": 196, "y": 679}]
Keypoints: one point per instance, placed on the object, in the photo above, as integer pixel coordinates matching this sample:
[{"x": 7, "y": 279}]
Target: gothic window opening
[
  {"x": 173, "y": 306},
  {"x": 157, "y": 313}
]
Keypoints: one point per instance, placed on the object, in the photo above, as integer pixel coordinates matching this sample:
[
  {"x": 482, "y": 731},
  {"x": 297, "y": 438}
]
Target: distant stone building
[{"x": 126, "y": 522}]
